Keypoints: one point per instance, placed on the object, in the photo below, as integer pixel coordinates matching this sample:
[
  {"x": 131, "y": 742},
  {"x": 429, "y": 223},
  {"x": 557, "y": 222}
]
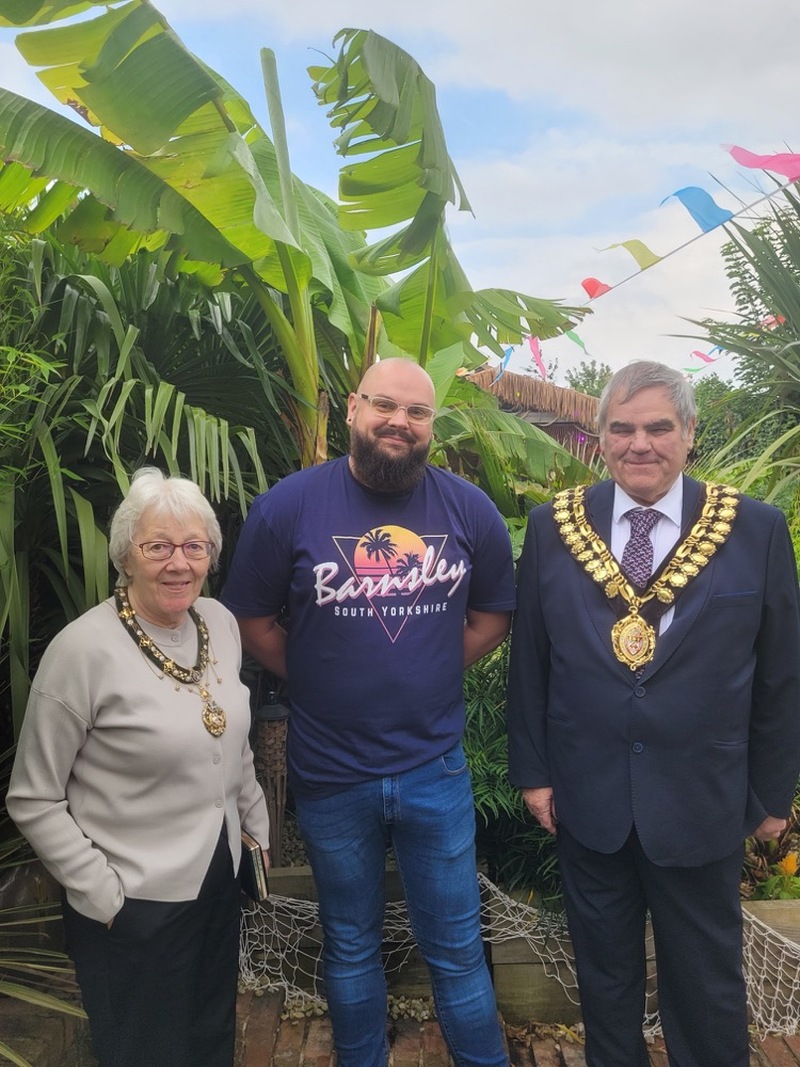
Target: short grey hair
[
  {"x": 644, "y": 374},
  {"x": 179, "y": 498}
]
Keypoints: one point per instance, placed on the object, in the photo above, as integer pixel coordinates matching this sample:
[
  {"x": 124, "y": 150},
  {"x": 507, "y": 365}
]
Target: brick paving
[
  {"x": 48, "y": 1039},
  {"x": 267, "y": 1041}
]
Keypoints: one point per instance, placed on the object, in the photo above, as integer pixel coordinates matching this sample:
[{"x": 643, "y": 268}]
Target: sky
[{"x": 569, "y": 124}]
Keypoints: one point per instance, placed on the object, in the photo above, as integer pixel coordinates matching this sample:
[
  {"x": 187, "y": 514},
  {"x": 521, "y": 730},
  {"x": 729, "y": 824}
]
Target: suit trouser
[
  {"x": 697, "y": 929},
  {"x": 159, "y": 987}
]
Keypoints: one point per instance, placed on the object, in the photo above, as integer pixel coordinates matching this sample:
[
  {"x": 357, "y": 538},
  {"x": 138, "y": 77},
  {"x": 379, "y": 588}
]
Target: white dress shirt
[{"x": 664, "y": 535}]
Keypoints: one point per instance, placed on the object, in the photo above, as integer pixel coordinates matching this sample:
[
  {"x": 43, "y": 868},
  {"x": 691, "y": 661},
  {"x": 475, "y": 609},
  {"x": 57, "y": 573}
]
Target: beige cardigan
[{"x": 117, "y": 784}]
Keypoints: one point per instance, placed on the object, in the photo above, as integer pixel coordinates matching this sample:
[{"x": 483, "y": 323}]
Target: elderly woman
[{"x": 133, "y": 780}]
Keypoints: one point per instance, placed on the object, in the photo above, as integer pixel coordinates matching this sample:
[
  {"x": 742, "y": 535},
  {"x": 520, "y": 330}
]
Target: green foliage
[
  {"x": 761, "y": 454},
  {"x": 589, "y": 377},
  {"x": 518, "y": 852},
  {"x": 187, "y": 301},
  {"x": 763, "y": 266},
  {"x": 125, "y": 366},
  {"x": 782, "y": 883},
  {"x": 743, "y": 416},
  {"x": 517, "y": 464},
  {"x": 31, "y": 969},
  {"x": 771, "y": 869}
]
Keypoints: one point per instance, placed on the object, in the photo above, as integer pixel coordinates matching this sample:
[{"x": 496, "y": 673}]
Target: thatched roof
[{"x": 520, "y": 393}]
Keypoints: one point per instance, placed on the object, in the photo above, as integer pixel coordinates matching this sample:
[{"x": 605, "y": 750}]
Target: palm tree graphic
[
  {"x": 378, "y": 544},
  {"x": 407, "y": 564}
]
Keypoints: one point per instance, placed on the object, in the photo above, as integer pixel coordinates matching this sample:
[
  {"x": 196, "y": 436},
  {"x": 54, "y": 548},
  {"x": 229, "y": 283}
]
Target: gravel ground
[{"x": 292, "y": 848}]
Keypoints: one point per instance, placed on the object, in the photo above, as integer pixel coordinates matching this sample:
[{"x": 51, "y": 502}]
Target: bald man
[{"x": 391, "y": 576}]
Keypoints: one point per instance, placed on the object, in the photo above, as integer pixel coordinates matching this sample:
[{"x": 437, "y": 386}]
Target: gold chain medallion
[
  {"x": 633, "y": 640},
  {"x": 632, "y": 637},
  {"x": 213, "y": 715}
]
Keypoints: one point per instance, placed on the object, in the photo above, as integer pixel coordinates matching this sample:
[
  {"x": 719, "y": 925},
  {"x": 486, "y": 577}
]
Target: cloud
[
  {"x": 623, "y": 62},
  {"x": 568, "y": 128}
]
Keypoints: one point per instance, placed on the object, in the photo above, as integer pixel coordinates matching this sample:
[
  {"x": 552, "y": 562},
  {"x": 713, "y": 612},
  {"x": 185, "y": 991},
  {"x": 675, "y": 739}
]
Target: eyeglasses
[
  {"x": 162, "y": 550},
  {"x": 385, "y": 407}
]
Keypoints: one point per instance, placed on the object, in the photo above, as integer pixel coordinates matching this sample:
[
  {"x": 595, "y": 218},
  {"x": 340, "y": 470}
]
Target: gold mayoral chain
[
  {"x": 213, "y": 715},
  {"x": 632, "y": 637}
]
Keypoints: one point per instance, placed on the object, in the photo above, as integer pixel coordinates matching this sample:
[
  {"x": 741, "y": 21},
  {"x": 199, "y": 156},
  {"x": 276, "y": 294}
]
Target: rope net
[{"x": 281, "y": 944}]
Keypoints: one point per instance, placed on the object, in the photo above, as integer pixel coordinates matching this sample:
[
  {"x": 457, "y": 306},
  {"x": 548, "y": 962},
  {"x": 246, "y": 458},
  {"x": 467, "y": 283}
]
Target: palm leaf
[{"x": 385, "y": 107}]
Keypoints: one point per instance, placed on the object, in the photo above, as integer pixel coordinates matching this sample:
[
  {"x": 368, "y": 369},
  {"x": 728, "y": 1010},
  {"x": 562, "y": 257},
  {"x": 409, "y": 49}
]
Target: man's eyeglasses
[
  {"x": 385, "y": 407},
  {"x": 162, "y": 550}
]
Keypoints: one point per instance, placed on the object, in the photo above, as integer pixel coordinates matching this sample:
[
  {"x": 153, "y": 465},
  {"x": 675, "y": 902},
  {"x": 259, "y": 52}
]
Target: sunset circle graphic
[{"x": 392, "y": 550}]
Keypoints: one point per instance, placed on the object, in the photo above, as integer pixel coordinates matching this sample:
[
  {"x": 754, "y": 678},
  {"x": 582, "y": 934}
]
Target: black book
[{"x": 253, "y": 869}]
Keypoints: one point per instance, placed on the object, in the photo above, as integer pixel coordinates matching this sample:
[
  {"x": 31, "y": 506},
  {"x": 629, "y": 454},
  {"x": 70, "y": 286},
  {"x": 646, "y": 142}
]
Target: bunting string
[{"x": 708, "y": 215}]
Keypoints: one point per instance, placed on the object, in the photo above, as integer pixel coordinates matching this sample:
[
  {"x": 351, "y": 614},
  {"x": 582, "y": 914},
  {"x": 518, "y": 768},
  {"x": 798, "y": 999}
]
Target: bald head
[{"x": 391, "y": 375}]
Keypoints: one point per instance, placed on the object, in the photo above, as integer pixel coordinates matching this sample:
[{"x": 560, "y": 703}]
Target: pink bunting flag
[
  {"x": 595, "y": 288},
  {"x": 772, "y": 322},
  {"x": 785, "y": 163},
  {"x": 704, "y": 356},
  {"x": 537, "y": 356}
]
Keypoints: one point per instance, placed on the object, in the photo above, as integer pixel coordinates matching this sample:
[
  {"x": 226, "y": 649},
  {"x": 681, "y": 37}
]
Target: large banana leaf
[
  {"x": 182, "y": 165},
  {"x": 385, "y": 106}
]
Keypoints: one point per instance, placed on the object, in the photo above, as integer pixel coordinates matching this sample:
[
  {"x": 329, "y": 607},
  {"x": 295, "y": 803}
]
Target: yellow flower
[{"x": 789, "y": 864}]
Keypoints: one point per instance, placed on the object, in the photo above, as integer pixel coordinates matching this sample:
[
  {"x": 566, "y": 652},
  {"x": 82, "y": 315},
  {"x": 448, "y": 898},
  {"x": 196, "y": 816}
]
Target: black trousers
[
  {"x": 159, "y": 987},
  {"x": 697, "y": 930}
]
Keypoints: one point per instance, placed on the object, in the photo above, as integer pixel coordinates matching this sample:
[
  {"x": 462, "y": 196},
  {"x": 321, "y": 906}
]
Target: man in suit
[{"x": 654, "y": 720}]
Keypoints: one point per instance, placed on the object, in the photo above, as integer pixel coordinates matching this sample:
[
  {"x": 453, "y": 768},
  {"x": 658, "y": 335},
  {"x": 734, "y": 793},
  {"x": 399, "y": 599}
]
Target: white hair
[{"x": 177, "y": 497}]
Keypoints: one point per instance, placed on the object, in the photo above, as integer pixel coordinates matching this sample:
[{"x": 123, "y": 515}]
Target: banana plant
[
  {"x": 103, "y": 369},
  {"x": 181, "y": 165},
  {"x": 398, "y": 175}
]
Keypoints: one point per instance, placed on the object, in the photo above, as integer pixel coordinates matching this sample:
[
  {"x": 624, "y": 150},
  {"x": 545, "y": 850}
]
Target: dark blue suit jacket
[{"x": 702, "y": 743}]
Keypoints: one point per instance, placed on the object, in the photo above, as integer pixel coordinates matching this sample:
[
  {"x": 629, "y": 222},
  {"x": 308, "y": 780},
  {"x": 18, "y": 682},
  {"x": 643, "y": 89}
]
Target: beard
[{"x": 385, "y": 471}]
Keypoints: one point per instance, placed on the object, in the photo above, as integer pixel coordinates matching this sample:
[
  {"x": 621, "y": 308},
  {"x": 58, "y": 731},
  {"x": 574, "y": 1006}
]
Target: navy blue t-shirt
[{"x": 376, "y": 588}]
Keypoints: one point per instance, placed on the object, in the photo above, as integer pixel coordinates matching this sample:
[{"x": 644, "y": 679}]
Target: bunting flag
[
  {"x": 708, "y": 215},
  {"x": 640, "y": 252},
  {"x": 702, "y": 207},
  {"x": 785, "y": 163},
  {"x": 706, "y": 358},
  {"x": 504, "y": 364},
  {"x": 595, "y": 288},
  {"x": 574, "y": 337},
  {"x": 772, "y": 322},
  {"x": 537, "y": 356}
]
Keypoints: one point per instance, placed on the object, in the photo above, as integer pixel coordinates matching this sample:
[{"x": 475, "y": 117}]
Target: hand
[
  {"x": 770, "y": 829},
  {"x": 265, "y": 854},
  {"x": 539, "y": 803}
]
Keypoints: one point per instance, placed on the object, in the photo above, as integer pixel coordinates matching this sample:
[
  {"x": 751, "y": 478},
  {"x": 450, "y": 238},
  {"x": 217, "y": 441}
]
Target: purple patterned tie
[{"x": 637, "y": 558}]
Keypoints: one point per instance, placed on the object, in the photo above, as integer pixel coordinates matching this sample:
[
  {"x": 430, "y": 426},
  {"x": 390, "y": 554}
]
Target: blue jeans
[{"x": 427, "y": 815}]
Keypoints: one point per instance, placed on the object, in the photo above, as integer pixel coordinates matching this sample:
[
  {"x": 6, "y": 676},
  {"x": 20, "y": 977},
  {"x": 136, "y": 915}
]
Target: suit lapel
[{"x": 599, "y": 502}]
